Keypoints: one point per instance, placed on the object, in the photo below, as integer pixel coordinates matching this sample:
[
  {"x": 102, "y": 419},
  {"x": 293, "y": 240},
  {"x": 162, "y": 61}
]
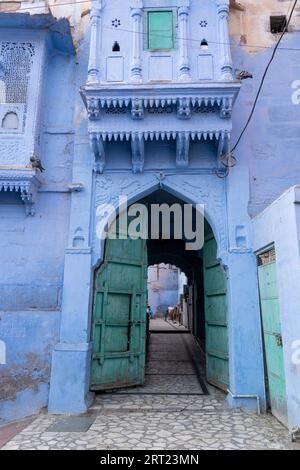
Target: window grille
[
  {"x": 16, "y": 59},
  {"x": 267, "y": 257}
]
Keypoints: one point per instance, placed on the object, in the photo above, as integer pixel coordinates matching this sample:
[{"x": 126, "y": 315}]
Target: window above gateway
[{"x": 160, "y": 30}]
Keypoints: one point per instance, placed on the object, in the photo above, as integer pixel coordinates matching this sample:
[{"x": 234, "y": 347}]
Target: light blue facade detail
[{"x": 132, "y": 122}]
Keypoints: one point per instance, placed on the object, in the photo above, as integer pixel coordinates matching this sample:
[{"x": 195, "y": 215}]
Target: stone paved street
[{"x": 153, "y": 417}]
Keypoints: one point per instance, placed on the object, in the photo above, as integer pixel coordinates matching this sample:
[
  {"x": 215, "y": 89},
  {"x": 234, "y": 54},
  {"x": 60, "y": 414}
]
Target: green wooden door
[
  {"x": 272, "y": 338},
  {"x": 217, "y": 369},
  {"x": 119, "y": 316}
]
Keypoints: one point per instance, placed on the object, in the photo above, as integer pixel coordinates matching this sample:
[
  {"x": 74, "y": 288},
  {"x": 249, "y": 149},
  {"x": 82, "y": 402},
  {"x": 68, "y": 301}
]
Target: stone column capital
[
  {"x": 223, "y": 7},
  {"x": 136, "y": 11},
  {"x": 184, "y": 10}
]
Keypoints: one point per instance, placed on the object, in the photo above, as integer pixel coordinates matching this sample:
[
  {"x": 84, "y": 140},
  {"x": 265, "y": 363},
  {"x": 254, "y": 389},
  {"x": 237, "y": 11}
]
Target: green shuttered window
[{"x": 160, "y": 30}]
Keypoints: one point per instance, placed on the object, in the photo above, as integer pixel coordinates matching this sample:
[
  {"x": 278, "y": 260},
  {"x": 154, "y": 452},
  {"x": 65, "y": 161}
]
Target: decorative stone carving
[
  {"x": 225, "y": 52},
  {"x": 184, "y": 63},
  {"x": 204, "y": 189},
  {"x": 137, "y": 110},
  {"x": 184, "y": 109},
  {"x": 98, "y": 148},
  {"x": 24, "y": 182},
  {"x": 16, "y": 61},
  {"x": 193, "y": 97},
  {"x": 138, "y": 151},
  {"x": 95, "y": 45},
  {"x": 93, "y": 108},
  {"x": 136, "y": 15},
  {"x": 226, "y": 108},
  {"x": 78, "y": 239},
  {"x": 182, "y": 150},
  {"x": 12, "y": 152},
  {"x": 209, "y": 191}
]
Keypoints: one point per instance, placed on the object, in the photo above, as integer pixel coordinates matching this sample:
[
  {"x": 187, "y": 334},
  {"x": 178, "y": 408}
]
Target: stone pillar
[
  {"x": 95, "y": 42},
  {"x": 71, "y": 358},
  {"x": 225, "y": 52},
  {"x": 137, "y": 16},
  {"x": 246, "y": 370},
  {"x": 246, "y": 367},
  {"x": 184, "y": 63}
]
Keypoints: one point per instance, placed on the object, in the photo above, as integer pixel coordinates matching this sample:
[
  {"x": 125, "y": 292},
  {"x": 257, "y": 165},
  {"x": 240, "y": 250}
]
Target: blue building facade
[{"x": 113, "y": 107}]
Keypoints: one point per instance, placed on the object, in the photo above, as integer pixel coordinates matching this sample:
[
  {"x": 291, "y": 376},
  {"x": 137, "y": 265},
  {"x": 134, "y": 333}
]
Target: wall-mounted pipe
[{"x": 256, "y": 397}]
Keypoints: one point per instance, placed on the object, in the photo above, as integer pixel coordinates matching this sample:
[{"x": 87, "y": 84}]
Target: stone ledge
[{"x": 21, "y": 180}]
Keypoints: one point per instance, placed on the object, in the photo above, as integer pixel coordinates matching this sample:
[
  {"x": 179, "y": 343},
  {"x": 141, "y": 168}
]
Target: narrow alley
[{"x": 174, "y": 410}]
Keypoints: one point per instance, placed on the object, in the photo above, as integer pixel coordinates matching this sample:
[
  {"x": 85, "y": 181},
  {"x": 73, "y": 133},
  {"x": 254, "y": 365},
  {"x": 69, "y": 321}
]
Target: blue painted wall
[{"x": 32, "y": 254}]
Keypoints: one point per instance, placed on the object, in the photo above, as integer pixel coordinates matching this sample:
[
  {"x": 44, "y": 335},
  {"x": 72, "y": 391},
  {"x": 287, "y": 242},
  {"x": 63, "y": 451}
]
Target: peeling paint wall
[
  {"x": 29, "y": 338},
  {"x": 269, "y": 148},
  {"x": 250, "y": 22}
]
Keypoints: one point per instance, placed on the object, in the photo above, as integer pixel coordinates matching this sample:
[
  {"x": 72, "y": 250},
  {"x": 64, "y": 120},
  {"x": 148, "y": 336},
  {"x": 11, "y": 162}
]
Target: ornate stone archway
[
  {"x": 70, "y": 375},
  {"x": 203, "y": 189}
]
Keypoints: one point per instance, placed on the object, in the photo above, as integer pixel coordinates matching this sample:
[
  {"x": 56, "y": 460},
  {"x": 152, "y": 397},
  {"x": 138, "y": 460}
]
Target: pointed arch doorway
[{"x": 120, "y": 300}]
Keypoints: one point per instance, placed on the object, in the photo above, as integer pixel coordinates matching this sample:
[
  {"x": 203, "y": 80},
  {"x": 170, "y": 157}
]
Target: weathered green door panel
[
  {"x": 271, "y": 321},
  {"x": 218, "y": 372},
  {"x": 210, "y": 251},
  {"x": 216, "y": 309},
  {"x": 271, "y": 325},
  {"x": 215, "y": 281},
  {"x": 119, "y": 317},
  {"x": 217, "y": 369},
  {"x": 217, "y": 341}
]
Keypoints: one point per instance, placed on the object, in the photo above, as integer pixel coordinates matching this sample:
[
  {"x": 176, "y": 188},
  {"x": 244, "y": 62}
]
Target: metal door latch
[{"x": 278, "y": 337}]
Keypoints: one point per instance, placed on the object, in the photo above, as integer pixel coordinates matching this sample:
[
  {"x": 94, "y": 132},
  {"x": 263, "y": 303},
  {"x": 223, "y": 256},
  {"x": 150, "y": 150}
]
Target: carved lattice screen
[{"x": 16, "y": 59}]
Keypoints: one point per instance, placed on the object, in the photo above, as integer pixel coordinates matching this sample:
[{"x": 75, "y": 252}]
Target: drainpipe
[{"x": 256, "y": 397}]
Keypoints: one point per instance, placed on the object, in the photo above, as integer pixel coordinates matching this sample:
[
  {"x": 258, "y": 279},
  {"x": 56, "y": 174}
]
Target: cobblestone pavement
[{"x": 153, "y": 418}]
